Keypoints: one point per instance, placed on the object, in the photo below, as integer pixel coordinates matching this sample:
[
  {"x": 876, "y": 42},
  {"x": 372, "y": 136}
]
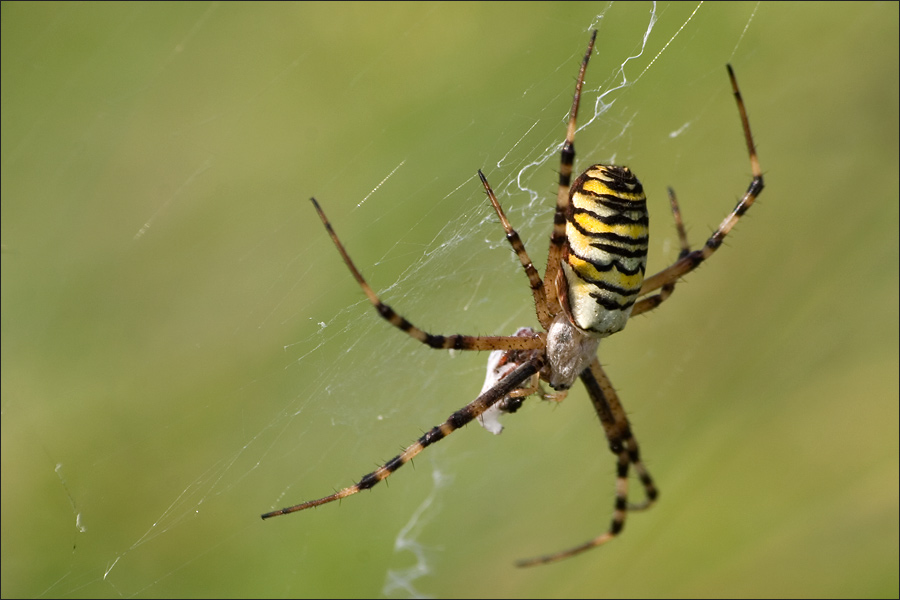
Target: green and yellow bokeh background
[{"x": 182, "y": 348}]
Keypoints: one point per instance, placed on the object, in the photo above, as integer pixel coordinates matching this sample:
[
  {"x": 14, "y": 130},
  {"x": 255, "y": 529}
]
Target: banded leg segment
[
  {"x": 651, "y": 302},
  {"x": 455, "y": 342},
  {"x": 618, "y": 520},
  {"x": 566, "y": 163},
  {"x": 534, "y": 279},
  {"x": 624, "y": 446},
  {"x": 602, "y": 392},
  {"x": 463, "y": 416},
  {"x": 692, "y": 260}
]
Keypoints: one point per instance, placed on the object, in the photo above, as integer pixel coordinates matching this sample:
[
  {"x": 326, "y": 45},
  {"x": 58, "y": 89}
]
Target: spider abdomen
[{"x": 606, "y": 247}]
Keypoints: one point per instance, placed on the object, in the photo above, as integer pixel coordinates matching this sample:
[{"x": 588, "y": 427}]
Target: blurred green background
[{"x": 182, "y": 348}]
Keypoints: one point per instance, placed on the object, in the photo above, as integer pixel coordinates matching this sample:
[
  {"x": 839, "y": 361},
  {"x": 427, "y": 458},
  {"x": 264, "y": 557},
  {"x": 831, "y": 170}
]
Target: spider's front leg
[
  {"x": 522, "y": 373},
  {"x": 623, "y": 444}
]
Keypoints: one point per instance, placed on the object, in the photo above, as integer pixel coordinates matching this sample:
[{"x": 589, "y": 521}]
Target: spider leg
[
  {"x": 534, "y": 279},
  {"x": 566, "y": 161},
  {"x": 651, "y": 302},
  {"x": 602, "y": 392},
  {"x": 691, "y": 261},
  {"x": 617, "y": 523},
  {"x": 463, "y": 416},
  {"x": 456, "y": 342},
  {"x": 624, "y": 446}
]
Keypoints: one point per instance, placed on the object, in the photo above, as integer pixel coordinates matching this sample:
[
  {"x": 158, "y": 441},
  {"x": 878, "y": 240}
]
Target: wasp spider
[{"x": 593, "y": 283}]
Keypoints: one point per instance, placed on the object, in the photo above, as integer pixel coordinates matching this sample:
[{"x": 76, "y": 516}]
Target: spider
[{"x": 594, "y": 281}]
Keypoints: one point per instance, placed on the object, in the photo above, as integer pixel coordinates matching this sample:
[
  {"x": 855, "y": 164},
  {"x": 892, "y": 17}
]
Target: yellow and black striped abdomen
[{"x": 606, "y": 254}]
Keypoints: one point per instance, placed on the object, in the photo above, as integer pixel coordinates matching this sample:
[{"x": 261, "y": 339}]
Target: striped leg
[
  {"x": 624, "y": 446},
  {"x": 690, "y": 262},
  {"x": 603, "y": 392},
  {"x": 651, "y": 302},
  {"x": 463, "y": 416},
  {"x": 566, "y": 161},
  {"x": 534, "y": 279},
  {"x": 456, "y": 342},
  {"x": 618, "y": 521}
]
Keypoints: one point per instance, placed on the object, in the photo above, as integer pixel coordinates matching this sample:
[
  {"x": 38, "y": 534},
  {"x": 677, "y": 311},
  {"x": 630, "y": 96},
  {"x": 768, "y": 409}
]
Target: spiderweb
[{"x": 298, "y": 388}]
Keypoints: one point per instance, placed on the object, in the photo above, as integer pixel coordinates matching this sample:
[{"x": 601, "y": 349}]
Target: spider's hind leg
[
  {"x": 566, "y": 164},
  {"x": 692, "y": 260},
  {"x": 651, "y": 302}
]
